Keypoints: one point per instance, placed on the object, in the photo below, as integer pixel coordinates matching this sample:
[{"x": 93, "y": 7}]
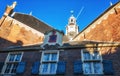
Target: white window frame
[
  {"x": 92, "y": 61},
  {"x": 42, "y": 61},
  {"x": 12, "y": 62}
]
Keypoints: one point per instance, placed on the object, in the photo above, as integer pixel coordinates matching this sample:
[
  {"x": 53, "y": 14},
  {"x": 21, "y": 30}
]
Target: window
[
  {"x": 49, "y": 62},
  {"x": 92, "y": 62},
  {"x": 71, "y": 20},
  {"x": 12, "y": 62}
]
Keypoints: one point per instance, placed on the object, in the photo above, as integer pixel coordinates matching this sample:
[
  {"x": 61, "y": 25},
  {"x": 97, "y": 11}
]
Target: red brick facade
[
  {"x": 70, "y": 56},
  {"x": 104, "y": 28},
  {"x": 11, "y": 33}
]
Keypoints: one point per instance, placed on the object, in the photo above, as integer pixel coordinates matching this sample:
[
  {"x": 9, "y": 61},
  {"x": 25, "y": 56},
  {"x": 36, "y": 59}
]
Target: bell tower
[{"x": 72, "y": 27}]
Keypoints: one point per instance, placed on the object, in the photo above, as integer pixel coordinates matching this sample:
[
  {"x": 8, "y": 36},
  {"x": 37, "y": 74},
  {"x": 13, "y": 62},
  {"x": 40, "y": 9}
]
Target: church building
[{"x": 30, "y": 47}]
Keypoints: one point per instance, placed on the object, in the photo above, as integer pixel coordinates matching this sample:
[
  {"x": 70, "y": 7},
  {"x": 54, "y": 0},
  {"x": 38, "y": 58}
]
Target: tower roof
[{"x": 72, "y": 17}]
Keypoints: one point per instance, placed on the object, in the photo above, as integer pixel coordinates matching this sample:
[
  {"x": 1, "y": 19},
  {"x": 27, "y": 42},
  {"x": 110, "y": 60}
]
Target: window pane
[
  {"x": 86, "y": 55},
  {"x": 44, "y": 68},
  {"x": 7, "y": 70},
  {"x": 18, "y": 57},
  {"x": 54, "y": 57},
  {"x": 52, "y": 68},
  {"x": 96, "y": 55},
  {"x": 14, "y": 68},
  {"x": 11, "y": 57},
  {"x": 97, "y": 67},
  {"x": 87, "y": 68},
  {"x": 46, "y": 57}
]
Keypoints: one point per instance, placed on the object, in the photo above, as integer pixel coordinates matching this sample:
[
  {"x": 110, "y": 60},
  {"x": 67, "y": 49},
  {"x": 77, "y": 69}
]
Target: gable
[{"x": 52, "y": 38}]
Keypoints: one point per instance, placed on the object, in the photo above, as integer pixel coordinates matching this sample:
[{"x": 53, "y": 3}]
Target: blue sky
[{"x": 57, "y": 12}]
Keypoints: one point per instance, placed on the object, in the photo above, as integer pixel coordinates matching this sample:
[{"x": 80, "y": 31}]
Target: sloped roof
[
  {"x": 32, "y": 22},
  {"x": 69, "y": 45},
  {"x": 88, "y": 44},
  {"x": 21, "y": 48}
]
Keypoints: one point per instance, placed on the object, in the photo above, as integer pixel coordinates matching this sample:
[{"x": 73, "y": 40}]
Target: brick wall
[
  {"x": 105, "y": 28},
  {"x": 13, "y": 31},
  {"x": 70, "y": 56}
]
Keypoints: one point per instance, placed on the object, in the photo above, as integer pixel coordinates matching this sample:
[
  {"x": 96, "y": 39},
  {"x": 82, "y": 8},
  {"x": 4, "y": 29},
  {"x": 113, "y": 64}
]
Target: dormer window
[{"x": 53, "y": 37}]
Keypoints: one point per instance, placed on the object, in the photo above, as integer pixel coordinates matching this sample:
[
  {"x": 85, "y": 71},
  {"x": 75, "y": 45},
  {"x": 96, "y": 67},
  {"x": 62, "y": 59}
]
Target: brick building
[
  {"x": 18, "y": 28},
  {"x": 92, "y": 52}
]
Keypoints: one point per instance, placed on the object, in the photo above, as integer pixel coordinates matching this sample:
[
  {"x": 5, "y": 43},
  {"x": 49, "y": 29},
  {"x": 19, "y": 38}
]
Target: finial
[
  {"x": 14, "y": 4},
  {"x": 30, "y": 13},
  {"x": 111, "y": 3},
  {"x": 72, "y": 12}
]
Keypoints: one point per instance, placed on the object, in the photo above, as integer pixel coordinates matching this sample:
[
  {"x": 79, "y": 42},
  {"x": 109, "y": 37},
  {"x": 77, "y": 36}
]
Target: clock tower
[{"x": 72, "y": 27}]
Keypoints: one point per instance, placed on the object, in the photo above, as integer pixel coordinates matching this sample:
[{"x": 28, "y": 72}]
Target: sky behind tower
[{"x": 57, "y": 12}]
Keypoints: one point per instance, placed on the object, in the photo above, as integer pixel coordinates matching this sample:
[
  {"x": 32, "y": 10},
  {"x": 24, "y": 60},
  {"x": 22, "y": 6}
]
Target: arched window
[{"x": 71, "y": 20}]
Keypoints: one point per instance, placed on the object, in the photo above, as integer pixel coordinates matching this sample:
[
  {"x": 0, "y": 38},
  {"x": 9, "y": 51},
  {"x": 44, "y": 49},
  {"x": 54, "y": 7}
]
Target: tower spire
[{"x": 72, "y": 28}]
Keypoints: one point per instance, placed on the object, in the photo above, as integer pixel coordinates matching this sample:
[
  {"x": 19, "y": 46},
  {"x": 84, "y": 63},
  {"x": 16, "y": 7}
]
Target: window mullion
[
  {"x": 15, "y": 58},
  {"x": 11, "y": 68},
  {"x": 57, "y": 57},
  {"x": 21, "y": 56},
  {"x": 82, "y": 52},
  {"x": 8, "y": 57},
  {"x": 90, "y": 56},
  {"x": 50, "y": 57},
  {"x": 82, "y": 55},
  {"x": 48, "y": 71},
  {"x": 92, "y": 67}
]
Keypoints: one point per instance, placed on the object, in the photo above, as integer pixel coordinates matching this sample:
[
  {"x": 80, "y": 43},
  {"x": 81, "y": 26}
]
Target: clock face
[
  {"x": 71, "y": 29},
  {"x": 71, "y": 34}
]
